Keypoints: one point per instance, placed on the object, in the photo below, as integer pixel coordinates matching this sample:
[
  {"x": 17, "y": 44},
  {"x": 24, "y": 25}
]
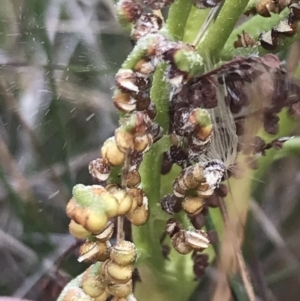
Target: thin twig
[
  {"x": 120, "y": 229},
  {"x": 211, "y": 16}
]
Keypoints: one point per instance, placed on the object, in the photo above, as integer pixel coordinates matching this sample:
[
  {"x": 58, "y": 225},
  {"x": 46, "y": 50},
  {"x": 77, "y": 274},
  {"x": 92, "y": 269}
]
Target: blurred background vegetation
[{"x": 57, "y": 64}]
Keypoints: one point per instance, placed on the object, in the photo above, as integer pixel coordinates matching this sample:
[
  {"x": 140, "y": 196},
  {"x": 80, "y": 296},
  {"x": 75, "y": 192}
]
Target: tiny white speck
[{"x": 51, "y": 196}]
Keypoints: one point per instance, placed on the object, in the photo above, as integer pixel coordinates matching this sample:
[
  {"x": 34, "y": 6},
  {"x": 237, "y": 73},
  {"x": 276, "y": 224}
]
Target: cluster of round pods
[{"x": 109, "y": 276}]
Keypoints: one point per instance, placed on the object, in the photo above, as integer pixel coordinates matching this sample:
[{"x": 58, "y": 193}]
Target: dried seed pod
[
  {"x": 92, "y": 251},
  {"x": 120, "y": 290},
  {"x": 193, "y": 205},
  {"x": 213, "y": 201},
  {"x": 92, "y": 283},
  {"x": 269, "y": 40},
  {"x": 265, "y": 7},
  {"x": 129, "y": 10},
  {"x": 78, "y": 231},
  {"x": 200, "y": 264},
  {"x": 118, "y": 273},
  {"x": 146, "y": 24},
  {"x": 144, "y": 66},
  {"x": 157, "y": 4},
  {"x": 107, "y": 233},
  {"x": 170, "y": 204},
  {"x": 172, "y": 227},
  {"x": 130, "y": 82},
  {"x": 124, "y": 253},
  {"x": 151, "y": 111},
  {"x": 76, "y": 293},
  {"x": 124, "y": 101},
  {"x": 244, "y": 40},
  {"x": 198, "y": 220},
  {"x": 133, "y": 177},
  {"x": 197, "y": 239},
  {"x": 295, "y": 10},
  {"x": 222, "y": 190},
  {"x": 286, "y": 27},
  {"x": 139, "y": 216},
  {"x": 99, "y": 169},
  {"x": 111, "y": 153},
  {"x": 180, "y": 244},
  {"x": 142, "y": 101}
]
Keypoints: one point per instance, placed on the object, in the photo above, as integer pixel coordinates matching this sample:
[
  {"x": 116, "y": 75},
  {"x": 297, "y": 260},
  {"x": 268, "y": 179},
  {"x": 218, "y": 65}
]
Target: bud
[
  {"x": 118, "y": 273},
  {"x": 102, "y": 297},
  {"x": 124, "y": 253},
  {"x": 111, "y": 153},
  {"x": 124, "y": 200},
  {"x": 78, "y": 231},
  {"x": 139, "y": 216},
  {"x": 120, "y": 290},
  {"x": 124, "y": 140},
  {"x": 92, "y": 284},
  {"x": 143, "y": 143}
]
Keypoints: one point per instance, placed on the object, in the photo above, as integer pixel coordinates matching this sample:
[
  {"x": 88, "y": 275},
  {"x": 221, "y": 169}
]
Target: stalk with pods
[{"x": 199, "y": 100}]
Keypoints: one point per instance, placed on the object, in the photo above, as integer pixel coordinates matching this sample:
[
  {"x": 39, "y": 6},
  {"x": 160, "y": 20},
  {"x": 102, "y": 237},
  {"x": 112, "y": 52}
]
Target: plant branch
[
  {"x": 218, "y": 33},
  {"x": 177, "y": 18}
]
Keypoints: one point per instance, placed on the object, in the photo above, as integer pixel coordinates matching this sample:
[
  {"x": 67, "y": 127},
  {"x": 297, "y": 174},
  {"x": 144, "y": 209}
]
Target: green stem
[
  {"x": 159, "y": 94},
  {"x": 219, "y": 32},
  {"x": 177, "y": 18},
  {"x": 194, "y": 23}
]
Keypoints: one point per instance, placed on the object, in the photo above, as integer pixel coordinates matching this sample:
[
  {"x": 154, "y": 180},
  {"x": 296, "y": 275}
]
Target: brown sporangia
[
  {"x": 200, "y": 264},
  {"x": 130, "y": 9},
  {"x": 244, "y": 40},
  {"x": 146, "y": 24},
  {"x": 170, "y": 204},
  {"x": 287, "y": 27}
]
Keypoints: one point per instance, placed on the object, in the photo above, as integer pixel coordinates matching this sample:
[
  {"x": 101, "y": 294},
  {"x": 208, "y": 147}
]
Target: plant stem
[
  {"x": 219, "y": 32},
  {"x": 177, "y": 18}
]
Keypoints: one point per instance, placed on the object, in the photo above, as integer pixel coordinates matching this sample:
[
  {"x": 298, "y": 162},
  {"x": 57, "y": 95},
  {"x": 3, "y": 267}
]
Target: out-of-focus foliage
[{"x": 57, "y": 64}]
